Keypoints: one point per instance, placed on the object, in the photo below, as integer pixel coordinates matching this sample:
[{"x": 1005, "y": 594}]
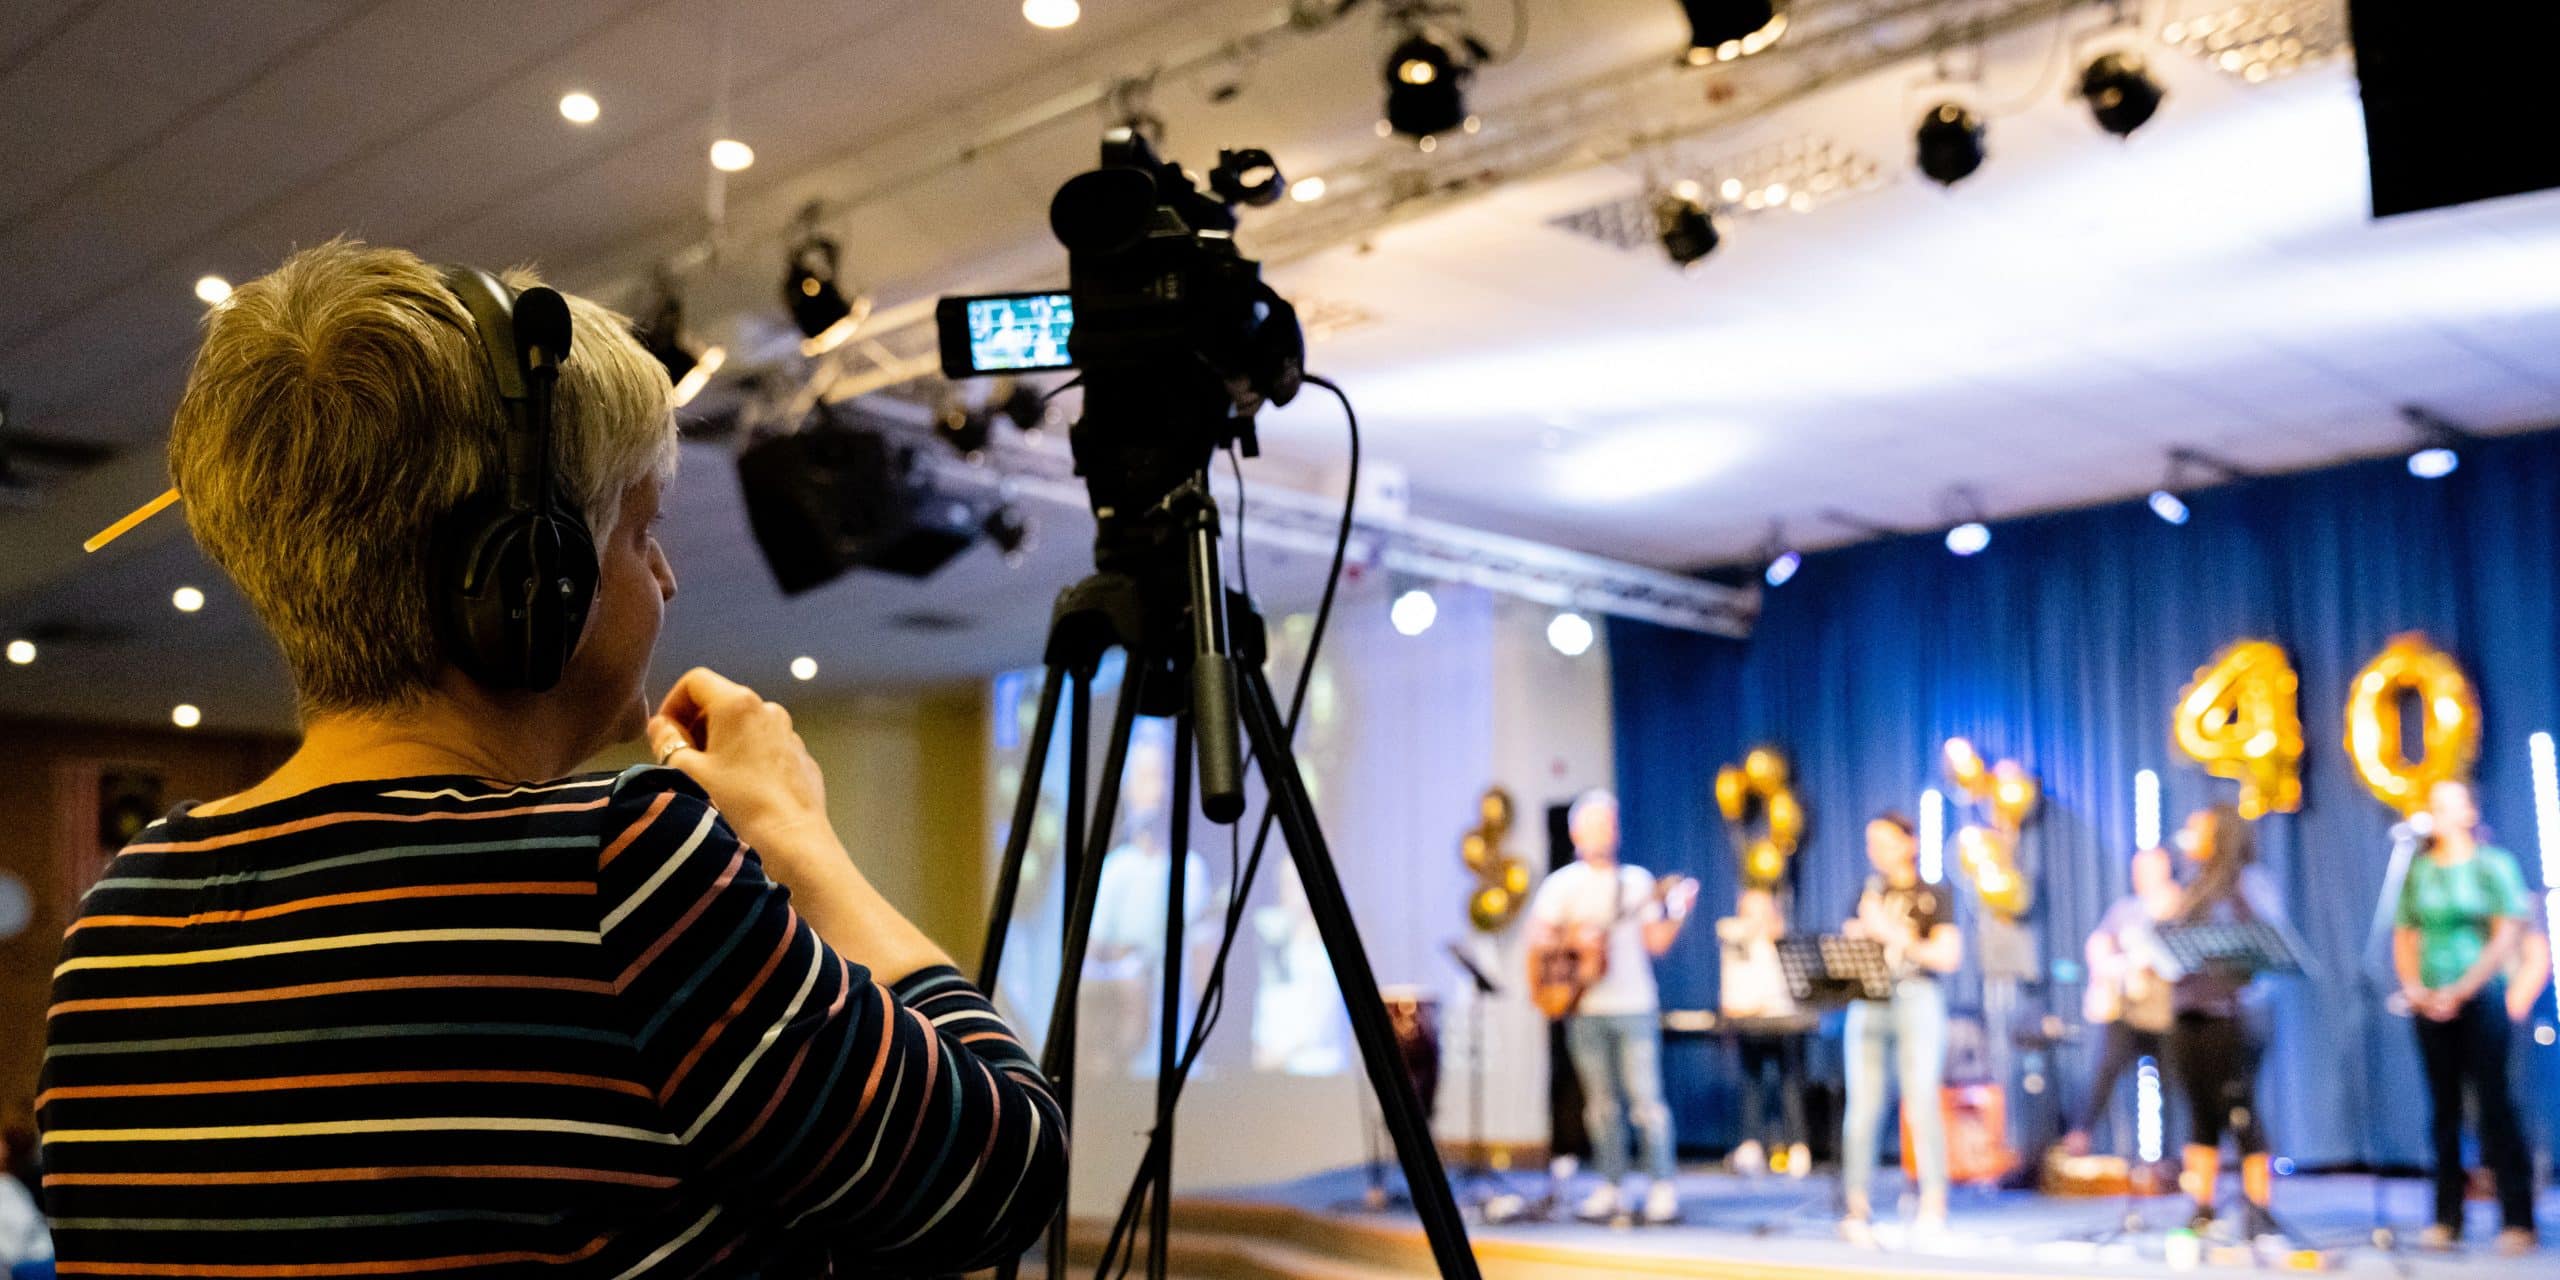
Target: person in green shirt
[{"x": 2461, "y": 912}]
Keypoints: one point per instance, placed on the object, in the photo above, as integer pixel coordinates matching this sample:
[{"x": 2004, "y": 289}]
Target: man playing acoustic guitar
[{"x": 1595, "y": 927}]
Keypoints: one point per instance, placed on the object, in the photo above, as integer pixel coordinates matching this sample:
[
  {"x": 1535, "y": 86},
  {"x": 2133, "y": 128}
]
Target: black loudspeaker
[
  {"x": 2459, "y": 99},
  {"x": 843, "y": 492}
]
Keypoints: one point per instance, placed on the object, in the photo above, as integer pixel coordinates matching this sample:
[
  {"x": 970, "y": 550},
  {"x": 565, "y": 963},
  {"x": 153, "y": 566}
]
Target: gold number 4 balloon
[
  {"x": 2449, "y": 722},
  {"x": 2242, "y": 719},
  {"x": 1760, "y": 782}
]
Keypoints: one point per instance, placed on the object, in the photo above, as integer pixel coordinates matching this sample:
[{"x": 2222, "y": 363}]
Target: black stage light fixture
[
  {"x": 1723, "y": 30},
  {"x": 662, "y": 336},
  {"x": 1688, "y": 233},
  {"x": 1950, "y": 144},
  {"x": 1011, "y": 533},
  {"x": 809, "y": 288},
  {"x": 2120, "y": 92},
  {"x": 1427, "y": 86}
]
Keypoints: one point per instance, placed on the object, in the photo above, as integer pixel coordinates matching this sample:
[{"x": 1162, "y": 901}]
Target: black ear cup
[
  {"x": 515, "y": 567},
  {"x": 516, "y": 593}
]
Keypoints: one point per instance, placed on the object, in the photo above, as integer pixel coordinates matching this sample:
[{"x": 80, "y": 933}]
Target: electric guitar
[{"x": 1562, "y": 970}]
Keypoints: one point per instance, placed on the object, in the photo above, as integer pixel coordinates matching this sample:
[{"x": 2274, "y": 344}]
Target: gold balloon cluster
[
  {"x": 2448, "y": 724},
  {"x": 2241, "y": 718},
  {"x": 1502, "y": 881},
  {"x": 1989, "y": 852},
  {"x": 1760, "y": 784}
]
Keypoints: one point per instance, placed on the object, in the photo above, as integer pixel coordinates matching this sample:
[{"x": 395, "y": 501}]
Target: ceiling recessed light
[
  {"x": 1051, "y": 14},
  {"x": 187, "y": 599},
  {"x": 2168, "y": 506},
  {"x": 579, "y": 108},
  {"x": 22, "y": 652},
  {"x": 1413, "y": 612},
  {"x": 1571, "y": 634},
  {"x": 804, "y": 667},
  {"x": 1307, "y": 190},
  {"x": 185, "y": 716},
  {"x": 729, "y": 155},
  {"x": 212, "y": 290},
  {"x": 1969, "y": 538}
]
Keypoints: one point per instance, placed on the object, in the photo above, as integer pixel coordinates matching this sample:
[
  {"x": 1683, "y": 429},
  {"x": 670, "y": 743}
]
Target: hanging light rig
[
  {"x": 1723, "y": 30},
  {"x": 1427, "y": 75}
]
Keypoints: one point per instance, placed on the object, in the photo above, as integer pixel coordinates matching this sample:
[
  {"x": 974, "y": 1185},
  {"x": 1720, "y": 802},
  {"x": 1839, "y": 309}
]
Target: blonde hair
[{"x": 337, "y": 411}]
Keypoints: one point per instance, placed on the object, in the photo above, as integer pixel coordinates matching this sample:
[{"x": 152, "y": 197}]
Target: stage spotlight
[
  {"x": 2168, "y": 506},
  {"x": 186, "y": 599},
  {"x": 1723, "y": 30},
  {"x": 1687, "y": 233},
  {"x": 1427, "y": 87},
  {"x": 2434, "y": 463},
  {"x": 1782, "y": 569},
  {"x": 1950, "y": 144},
  {"x": 1969, "y": 538},
  {"x": 818, "y": 306},
  {"x": 1413, "y": 612},
  {"x": 579, "y": 108},
  {"x": 2120, "y": 92},
  {"x": 212, "y": 291},
  {"x": 185, "y": 715},
  {"x": 804, "y": 667},
  {"x": 22, "y": 652},
  {"x": 1011, "y": 533},
  {"x": 662, "y": 336},
  {"x": 1571, "y": 634},
  {"x": 728, "y": 155}
]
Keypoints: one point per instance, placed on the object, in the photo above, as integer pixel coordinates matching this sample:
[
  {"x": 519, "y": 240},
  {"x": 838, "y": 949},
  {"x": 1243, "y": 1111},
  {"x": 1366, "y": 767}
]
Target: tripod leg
[
  {"x": 1168, "y": 1037},
  {"x": 1433, "y": 1201},
  {"x": 1026, "y": 806}
]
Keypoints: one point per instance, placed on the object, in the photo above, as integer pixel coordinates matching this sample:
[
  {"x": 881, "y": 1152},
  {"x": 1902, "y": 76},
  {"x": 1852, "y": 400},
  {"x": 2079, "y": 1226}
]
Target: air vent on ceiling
[
  {"x": 930, "y": 623},
  {"x": 1796, "y": 176},
  {"x": 29, "y": 462}
]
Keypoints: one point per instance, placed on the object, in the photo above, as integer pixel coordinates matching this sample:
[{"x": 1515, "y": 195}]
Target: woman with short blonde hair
[{"x": 426, "y": 999}]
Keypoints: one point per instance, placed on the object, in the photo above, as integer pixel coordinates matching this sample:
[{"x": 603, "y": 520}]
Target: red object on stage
[{"x": 1977, "y": 1119}]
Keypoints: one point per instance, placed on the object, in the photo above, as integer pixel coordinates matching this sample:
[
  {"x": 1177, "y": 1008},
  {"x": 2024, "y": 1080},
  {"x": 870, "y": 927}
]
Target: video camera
[{"x": 1177, "y": 339}]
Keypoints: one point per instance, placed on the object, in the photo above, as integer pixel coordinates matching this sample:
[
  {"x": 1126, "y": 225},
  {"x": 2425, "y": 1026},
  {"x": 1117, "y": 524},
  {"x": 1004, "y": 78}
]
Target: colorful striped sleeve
[{"x": 895, "y": 1126}]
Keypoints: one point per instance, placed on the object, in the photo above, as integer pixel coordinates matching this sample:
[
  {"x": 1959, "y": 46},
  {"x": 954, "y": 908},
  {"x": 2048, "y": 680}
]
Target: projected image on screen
[
  {"x": 1027, "y": 332},
  {"x": 1285, "y": 1007}
]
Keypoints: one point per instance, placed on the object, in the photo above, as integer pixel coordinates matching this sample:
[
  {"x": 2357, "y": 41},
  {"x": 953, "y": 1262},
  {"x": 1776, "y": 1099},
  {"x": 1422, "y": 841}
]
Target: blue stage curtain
[{"x": 2063, "y": 646}]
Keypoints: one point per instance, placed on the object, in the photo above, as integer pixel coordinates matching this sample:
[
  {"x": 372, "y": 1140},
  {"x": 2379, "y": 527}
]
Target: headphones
[{"x": 514, "y": 566}]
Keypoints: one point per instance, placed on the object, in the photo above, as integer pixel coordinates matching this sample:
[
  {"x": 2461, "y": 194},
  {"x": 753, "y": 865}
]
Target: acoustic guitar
[{"x": 1561, "y": 971}]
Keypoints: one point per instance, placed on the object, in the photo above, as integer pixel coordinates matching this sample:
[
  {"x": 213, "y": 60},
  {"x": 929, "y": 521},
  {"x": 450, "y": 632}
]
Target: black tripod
[{"x": 1194, "y": 654}]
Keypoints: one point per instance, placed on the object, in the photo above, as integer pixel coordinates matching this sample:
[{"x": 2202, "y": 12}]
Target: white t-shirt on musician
[{"x": 1577, "y": 895}]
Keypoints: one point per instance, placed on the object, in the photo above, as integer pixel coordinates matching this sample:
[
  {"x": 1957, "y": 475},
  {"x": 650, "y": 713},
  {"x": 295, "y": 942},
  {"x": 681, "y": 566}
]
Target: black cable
[{"x": 1213, "y": 991}]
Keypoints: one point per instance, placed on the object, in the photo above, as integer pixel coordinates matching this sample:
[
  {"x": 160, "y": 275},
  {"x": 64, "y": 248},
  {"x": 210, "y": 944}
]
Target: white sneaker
[
  {"x": 1859, "y": 1232},
  {"x": 1661, "y": 1204},
  {"x": 1601, "y": 1205},
  {"x": 1749, "y": 1160},
  {"x": 1799, "y": 1160}
]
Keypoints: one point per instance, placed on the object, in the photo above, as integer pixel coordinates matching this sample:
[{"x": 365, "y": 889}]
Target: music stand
[
  {"x": 2249, "y": 948},
  {"x": 1833, "y": 970}
]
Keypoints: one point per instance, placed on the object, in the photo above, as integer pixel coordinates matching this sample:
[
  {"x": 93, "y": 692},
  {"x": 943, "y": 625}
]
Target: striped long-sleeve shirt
[{"x": 442, "y": 1025}]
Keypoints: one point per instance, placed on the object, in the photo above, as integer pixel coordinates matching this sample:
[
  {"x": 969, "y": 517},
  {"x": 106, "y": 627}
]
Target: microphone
[{"x": 2416, "y": 827}]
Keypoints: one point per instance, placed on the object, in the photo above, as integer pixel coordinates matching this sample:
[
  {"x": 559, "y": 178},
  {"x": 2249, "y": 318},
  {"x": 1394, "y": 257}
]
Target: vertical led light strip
[
  {"x": 2146, "y": 1101},
  {"x": 2546, "y": 830},
  {"x": 1933, "y": 835},
  {"x": 2146, "y": 809}
]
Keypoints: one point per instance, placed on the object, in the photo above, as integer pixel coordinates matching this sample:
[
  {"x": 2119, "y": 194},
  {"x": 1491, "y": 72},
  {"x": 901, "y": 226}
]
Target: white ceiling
[{"x": 2043, "y": 333}]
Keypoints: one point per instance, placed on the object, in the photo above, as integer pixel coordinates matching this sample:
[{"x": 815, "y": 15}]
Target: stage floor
[{"x": 1775, "y": 1227}]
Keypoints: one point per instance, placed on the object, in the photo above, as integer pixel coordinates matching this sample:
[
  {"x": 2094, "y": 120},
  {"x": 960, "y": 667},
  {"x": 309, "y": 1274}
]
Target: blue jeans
[
  {"x": 1618, "y": 1058},
  {"x": 1911, "y": 1030}
]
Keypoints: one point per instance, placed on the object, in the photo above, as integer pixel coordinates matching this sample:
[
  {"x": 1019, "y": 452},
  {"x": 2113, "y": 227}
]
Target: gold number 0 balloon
[
  {"x": 2242, "y": 719},
  {"x": 2449, "y": 722},
  {"x": 1761, "y": 778}
]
